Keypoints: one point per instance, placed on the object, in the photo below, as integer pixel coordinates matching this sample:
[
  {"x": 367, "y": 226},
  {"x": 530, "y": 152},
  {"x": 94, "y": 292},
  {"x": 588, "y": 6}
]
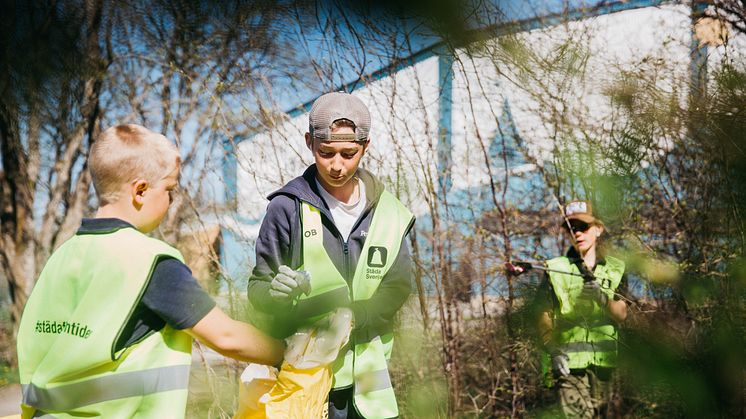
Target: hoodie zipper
[
  {"x": 345, "y": 243},
  {"x": 346, "y": 250}
]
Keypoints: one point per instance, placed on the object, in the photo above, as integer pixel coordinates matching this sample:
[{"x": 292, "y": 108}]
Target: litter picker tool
[{"x": 518, "y": 267}]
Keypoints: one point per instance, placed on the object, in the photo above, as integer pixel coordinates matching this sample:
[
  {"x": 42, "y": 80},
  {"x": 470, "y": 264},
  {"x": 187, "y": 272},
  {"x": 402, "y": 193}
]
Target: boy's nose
[{"x": 337, "y": 163}]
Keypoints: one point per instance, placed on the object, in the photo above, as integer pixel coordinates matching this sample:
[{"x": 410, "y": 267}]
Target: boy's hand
[
  {"x": 236, "y": 339},
  {"x": 289, "y": 284}
]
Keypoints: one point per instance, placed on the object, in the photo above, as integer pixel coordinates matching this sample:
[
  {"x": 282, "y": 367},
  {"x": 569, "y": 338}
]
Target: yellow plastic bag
[
  {"x": 293, "y": 393},
  {"x": 300, "y": 389},
  {"x": 300, "y": 393},
  {"x": 253, "y": 392}
]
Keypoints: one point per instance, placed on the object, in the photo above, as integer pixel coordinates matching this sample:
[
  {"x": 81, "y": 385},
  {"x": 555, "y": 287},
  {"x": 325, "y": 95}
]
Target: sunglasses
[{"x": 578, "y": 226}]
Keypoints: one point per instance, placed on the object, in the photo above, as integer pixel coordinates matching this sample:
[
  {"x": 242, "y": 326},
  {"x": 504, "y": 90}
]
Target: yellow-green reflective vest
[
  {"x": 363, "y": 363},
  {"x": 67, "y": 362},
  {"x": 585, "y": 333}
]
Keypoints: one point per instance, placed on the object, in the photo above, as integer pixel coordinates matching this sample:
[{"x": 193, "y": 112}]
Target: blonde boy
[{"x": 107, "y": 331}]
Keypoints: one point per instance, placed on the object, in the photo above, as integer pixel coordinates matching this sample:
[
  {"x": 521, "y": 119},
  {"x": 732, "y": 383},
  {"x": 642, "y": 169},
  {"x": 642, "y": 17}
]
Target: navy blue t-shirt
[{"x": 171, "y": 297}]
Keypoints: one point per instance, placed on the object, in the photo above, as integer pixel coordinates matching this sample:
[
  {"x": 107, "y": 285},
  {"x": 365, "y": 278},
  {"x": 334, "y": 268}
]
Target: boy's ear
[
  {"x": 137, "y": 190},
  {"x": 309, "y": 141}
]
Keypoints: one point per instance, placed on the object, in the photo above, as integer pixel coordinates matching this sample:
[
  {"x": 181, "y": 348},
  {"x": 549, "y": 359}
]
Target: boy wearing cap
[
  {"x": 335, "y": 237},
  {"x": 581, "y": 307}
]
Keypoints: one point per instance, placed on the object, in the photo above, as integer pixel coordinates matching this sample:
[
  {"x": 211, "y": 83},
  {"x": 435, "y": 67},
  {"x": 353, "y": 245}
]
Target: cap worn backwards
[
  {"x": 580, "y": 210},
  {"x": 334, "y": 106}
]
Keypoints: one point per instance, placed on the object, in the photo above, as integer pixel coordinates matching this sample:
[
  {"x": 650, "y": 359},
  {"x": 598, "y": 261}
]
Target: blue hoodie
[{"x": 279, "y": 243}]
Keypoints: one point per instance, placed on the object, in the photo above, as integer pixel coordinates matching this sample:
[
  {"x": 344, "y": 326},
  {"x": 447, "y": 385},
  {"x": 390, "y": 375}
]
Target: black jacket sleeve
[
  {"x": 273, "y": 248},
  {"x": 622, "y": 290},
  {"x": 375, "y": 315}
]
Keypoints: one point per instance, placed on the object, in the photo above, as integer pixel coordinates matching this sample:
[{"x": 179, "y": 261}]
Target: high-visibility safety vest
[
  {"x": 585, "y": 333},
  {"x": 364, "y": 363},
  {"x": 66, "y": 356}
]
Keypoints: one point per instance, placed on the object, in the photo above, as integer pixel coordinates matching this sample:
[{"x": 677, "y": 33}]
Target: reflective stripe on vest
[
  {"x": 584, "y": 332},
  {"x": 76, "y": 313},
  {"x": 365, "y": 363},
  {"x": 107, "y": 387}
]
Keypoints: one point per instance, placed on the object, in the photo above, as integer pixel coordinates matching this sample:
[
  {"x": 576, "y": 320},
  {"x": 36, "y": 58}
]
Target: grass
[
  {"x": 213, "y": 386},
  {"x": 8, "y": 370},
  {"x": 8, "y": 374}
]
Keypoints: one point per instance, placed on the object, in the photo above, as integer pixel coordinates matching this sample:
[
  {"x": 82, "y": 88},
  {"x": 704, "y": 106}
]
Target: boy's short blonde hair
[{"x": 127, "y": 152}]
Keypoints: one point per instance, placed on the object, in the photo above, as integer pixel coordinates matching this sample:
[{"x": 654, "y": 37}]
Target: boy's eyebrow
[{"x": 355, "y": 149}]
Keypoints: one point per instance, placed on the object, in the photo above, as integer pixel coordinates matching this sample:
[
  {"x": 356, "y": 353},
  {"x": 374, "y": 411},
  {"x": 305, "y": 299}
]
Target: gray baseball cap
[{"x": 333, "y": 107}]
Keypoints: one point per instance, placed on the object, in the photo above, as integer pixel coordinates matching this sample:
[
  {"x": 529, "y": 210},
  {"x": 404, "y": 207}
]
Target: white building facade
[{"x": 447, "y": 122}]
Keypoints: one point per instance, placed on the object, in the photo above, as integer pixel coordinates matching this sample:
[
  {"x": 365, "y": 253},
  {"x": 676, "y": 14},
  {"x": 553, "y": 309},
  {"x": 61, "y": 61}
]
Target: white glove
[
  {"x": 560, "y": 364},
  {"x": 288, "y": 284},
  {"x": 592, "y": 291}
]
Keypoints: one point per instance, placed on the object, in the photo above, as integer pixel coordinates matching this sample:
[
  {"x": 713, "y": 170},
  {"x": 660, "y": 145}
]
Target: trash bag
[
  {"x": 253, "y": 391},
  {"x": 300, "y": 393},
  {"x": 300, "y": 388}
]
